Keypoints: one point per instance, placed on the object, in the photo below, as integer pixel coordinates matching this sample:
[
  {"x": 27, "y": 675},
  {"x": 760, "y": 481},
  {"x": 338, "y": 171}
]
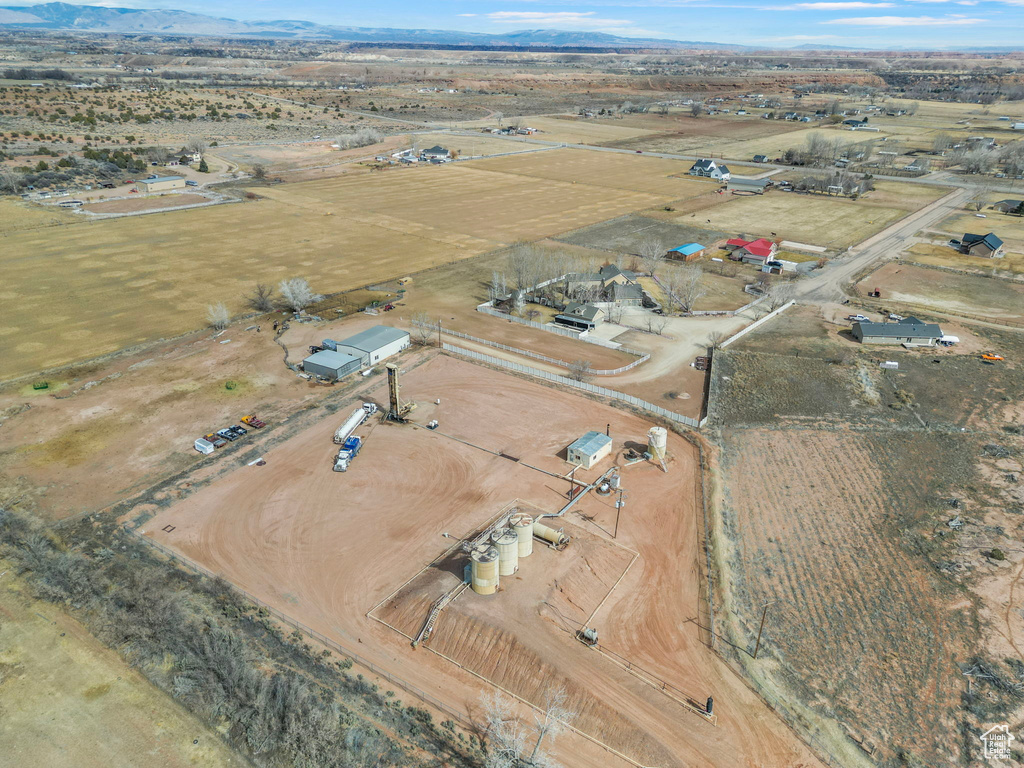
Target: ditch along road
[{"x": 829, "y": 283}]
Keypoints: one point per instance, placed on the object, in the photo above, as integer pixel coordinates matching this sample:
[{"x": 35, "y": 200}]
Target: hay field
[
  {"x": 832, "y": 222},
  {"x": 652, "y": 175},
  {"x": 90, "y": 288}
]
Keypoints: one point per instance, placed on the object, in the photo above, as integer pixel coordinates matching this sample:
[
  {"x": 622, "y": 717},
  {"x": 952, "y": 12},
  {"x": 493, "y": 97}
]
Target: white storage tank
[
  {"x": 483, "y": 569},
  {"x": 507, "y": 542},
  {"x": 657, "y": 442},
  {"x": 522, "y": 524}
]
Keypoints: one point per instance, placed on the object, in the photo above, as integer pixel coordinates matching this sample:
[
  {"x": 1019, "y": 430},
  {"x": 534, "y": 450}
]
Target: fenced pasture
[
  {"x": 636, "y": 174},
  {"x": 832, "y": 222},
  {"x": 89, "y": 288}
]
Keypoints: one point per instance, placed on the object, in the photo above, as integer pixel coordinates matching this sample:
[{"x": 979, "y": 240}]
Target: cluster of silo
[{"x": 508, "y": 543}]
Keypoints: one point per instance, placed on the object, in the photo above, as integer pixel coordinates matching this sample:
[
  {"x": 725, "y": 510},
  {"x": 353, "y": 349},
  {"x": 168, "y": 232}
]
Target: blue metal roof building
[{"x": 689, "y": 249}]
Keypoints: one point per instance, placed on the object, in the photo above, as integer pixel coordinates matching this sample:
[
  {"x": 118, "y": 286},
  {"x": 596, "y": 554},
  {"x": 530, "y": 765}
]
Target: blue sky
[{"x": 858, "y": 23}]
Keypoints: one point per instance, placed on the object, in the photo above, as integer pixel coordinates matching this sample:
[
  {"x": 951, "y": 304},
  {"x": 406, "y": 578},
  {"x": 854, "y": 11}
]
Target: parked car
[
  {"x": 227, "y": 434},
  {"x": 218, "y": 442},
  {"x": 858, "y": 318},
  {"x": 238, "y": 429},
  {"x": 190, "y": 183},
  {"x": 895, "y": 317},
  {"x": 129, "y": 181},
  {"x": 152, "y": 176},
  {"x": 991, "y": 357}
]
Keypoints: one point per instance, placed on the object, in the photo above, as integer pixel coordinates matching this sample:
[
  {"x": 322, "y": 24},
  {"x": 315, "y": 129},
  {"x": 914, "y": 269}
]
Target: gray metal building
[
  {"x": 375, "y": 344},
  {"x": 333, "y": 365},
  {"x": 910, "y": 331}
]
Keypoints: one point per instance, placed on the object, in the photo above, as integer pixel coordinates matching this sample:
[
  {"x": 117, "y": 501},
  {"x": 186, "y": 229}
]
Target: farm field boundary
[
  {"x": 641, "y": 356},
  {"x": 655, "y": 409}
]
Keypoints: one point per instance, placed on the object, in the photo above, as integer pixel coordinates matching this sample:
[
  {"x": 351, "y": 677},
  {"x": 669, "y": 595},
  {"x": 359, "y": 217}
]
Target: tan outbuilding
[{"x": 162, "y": 184}]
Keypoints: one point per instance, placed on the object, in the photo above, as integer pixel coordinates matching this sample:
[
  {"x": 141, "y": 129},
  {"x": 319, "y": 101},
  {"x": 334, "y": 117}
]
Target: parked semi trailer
[{"x": 357, "y": 417}]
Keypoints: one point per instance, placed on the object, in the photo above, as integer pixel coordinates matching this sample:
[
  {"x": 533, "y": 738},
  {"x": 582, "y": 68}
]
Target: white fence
[
  {"x": 586, "y": 387},
  {"x": 641, "y": 356},
  {"x": 757, "y": 324}
]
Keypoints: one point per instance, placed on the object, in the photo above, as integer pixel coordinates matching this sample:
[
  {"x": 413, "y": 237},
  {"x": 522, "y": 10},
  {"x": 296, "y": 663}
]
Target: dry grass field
[
  {"x": 139, "y": 204},
  {"x": 95, "y": 287},
  {"x": 866, "y": 625},
  {"x": 573, "y": 130},
  {"x": 985, "y": 297},
  {"x": 652, "y": 175},
  {"x": 945, "y": 256},
  {"x": 833, "y": 222},
  {"x": 1009, "y": 228},
  {"x": 70, "y": 702},
  {"x": 843, "y": 531}
]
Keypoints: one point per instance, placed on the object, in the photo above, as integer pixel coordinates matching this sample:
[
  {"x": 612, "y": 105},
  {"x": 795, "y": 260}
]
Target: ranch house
[
  {"x": 583, "y": 317},
  {"x": 710, "y": 169},
  {"x": 751, "y": 251},
  {"x": 910, "y": 332},
  {"x": 988, "y": 245}
]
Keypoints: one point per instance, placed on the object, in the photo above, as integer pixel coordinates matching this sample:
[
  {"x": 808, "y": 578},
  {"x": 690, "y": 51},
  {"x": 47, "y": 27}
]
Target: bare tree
[
  {"x": 261, "y": 299},
  {"x": 780, "y": 293},
  {"x": 218, "y": 316},
  {"x": 499, "y": 117},
  {"x": 683, "y": 286},
  {"x": 526, "y": 264},
  {"x": 10, "y": 180},
  {"x": 197, "y": 144},
  {"x": 506, "y": 735},
  {"x": 424, "y": 329},
  {"x": 942, "y": 142},
  {"x": 259, "y": 172},
  {"x": 551, "y": 722},
  {"x": 296, "y": 294},
  {"x": 498, "y": 289},
  {"x": 696, "y": 109},
  {"x": 579, "y": 370},
  {"x": 715, "y": 339},
  {"x": 652, "y": 252}
]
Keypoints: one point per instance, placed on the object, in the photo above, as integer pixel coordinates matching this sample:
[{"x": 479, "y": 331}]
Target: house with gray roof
[
  {"x": 988, "y": 245},
  {"x": 583, "y": 317},
  {"x": 710, "y": 169},
  {"x": 910, "y": 332}
]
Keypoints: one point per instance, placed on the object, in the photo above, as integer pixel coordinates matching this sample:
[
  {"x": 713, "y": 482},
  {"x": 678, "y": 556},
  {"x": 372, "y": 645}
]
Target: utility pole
[
  {"x": 760, "y": 629},
  {"x": 618, "y": 509},
  {"x": 439, "y": 344}
]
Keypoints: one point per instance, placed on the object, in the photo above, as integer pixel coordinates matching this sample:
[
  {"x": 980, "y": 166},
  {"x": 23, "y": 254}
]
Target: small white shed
[{"x": 589, "y": 449}]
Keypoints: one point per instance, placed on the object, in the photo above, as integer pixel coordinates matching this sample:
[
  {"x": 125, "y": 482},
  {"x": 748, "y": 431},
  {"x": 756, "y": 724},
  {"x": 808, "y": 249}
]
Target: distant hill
[{"x": 88, "y": 18}]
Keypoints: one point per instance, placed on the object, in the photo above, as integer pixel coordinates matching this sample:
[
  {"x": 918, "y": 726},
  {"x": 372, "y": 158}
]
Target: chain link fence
[
  {"x": 585, "y": 386},
  {"x": 641, "y": 356}
]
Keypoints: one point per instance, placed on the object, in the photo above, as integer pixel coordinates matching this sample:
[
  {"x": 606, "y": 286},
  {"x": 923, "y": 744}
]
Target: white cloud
[
  {"x": 841, "y": 5},
  {"x": 827, "y": 6},
  {"x": 801, "y": 38},
  {"x": 585, "y": 20},
  {"x": 467, "y": 14},
  {"x": 906, "y": 21}
]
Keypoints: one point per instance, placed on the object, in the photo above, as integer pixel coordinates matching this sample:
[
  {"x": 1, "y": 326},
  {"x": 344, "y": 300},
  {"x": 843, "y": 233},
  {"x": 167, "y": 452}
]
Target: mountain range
[{"x": 87, "y": 18}]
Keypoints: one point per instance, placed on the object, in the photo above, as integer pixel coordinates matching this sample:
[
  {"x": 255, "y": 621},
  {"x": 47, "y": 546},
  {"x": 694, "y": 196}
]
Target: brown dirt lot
[
  {"x": 283, "y": 533},
  {"x": 68, "y": 701}
]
